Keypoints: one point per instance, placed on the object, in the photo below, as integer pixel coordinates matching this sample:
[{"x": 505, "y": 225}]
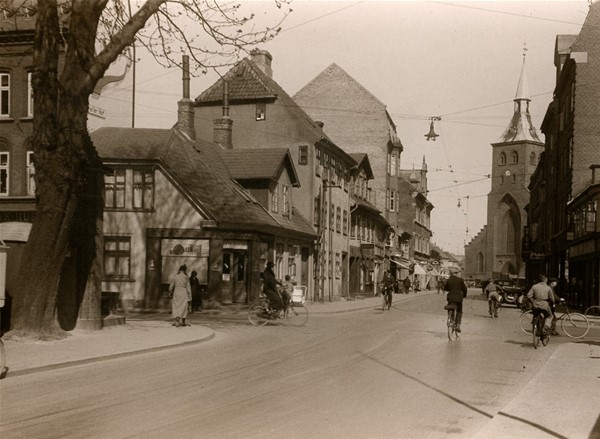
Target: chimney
[
  {"x": 262, "y": 59},
  {"x": 185, "y": 107},
  {"x": 222, "y": 127}
]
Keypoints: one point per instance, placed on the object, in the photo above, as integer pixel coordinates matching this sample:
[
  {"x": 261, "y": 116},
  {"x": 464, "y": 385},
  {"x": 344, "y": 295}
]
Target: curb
[{"x": 35, "y": 369}]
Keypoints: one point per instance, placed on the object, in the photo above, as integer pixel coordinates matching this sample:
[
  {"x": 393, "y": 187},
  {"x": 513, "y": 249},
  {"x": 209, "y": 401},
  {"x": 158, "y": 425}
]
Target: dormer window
[{"x": 261, "y": 111}]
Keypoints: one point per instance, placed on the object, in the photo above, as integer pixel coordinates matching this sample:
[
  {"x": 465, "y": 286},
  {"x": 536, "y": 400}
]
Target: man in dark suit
[{"x": 457, "y": 290}]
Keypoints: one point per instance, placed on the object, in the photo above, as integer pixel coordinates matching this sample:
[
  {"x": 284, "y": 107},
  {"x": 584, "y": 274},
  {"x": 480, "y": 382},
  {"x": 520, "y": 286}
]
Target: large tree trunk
[{"x": 67, "y": 177}]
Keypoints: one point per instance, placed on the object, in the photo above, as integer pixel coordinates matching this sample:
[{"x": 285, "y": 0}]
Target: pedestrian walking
[
  {"x": 406, "y": 285},
  {"x": 182, "y": 296},
  {"x": 196, "y": 292}
]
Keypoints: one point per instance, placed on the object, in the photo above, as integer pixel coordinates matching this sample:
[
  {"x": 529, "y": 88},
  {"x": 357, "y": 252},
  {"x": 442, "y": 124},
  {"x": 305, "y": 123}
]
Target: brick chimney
[
  {"x": 223, "y": 132},
  {"x": 263, "y": 60},
  {"x": 185, "y": 107}
]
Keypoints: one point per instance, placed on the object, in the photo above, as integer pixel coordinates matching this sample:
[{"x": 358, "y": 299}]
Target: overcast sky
[{"x": 457, "y": 60}]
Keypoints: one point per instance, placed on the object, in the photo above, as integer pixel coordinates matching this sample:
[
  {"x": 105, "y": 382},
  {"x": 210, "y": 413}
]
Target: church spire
[{"x": 521, "y": 128}]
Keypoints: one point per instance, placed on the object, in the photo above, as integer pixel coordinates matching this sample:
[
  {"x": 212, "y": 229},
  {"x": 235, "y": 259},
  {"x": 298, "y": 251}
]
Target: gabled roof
[
  {"x": 363, "y": 162},
  {"x": 199, "y": 173},
  {"x": 248, "y": 83},
  {"x": 259, "y": 164}
]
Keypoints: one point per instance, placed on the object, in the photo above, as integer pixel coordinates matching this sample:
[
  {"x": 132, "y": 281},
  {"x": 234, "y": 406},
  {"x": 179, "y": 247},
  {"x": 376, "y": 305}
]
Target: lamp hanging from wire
[{"x": 431, "y": 135}]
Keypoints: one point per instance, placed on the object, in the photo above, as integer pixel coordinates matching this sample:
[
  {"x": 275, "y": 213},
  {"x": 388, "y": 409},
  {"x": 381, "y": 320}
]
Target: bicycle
[
  {"x": 574, "y": 325},
  {"x": 537, "y": 329},
  {"x": 592, "y": 313},
  {"x": 386, "y": 299},
  {"x": 451, "y": 322},
  {"x": 494, "y": 307},
  {"x": 294, "y": 314}
]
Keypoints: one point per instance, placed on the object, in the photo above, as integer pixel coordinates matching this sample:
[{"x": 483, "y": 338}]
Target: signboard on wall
[
  {"x": 191, "y": 252},
  {"x": 189, "y": 248}
]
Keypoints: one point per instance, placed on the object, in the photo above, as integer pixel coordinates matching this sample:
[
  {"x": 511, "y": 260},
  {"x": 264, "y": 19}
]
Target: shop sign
[
  {"x": 235, "y": 245},
  {"x": 15, "y": 231},
  {"x": 191, "y": 248}
]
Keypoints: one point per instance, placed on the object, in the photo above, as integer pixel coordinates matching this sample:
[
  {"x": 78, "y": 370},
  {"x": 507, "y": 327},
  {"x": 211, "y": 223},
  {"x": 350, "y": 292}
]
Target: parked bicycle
[
  {"x": 451, "y": 322},
  {"x": 294, "y": 314},
  {"x": 573, "y": 324}
]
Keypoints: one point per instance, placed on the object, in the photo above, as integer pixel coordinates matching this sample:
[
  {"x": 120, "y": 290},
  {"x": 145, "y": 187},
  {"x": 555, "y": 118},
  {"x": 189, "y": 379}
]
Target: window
[
  {"x": 393, "y": 165},
  {"x": 514, "y": 178},
  {"x": 261, "y": 111},
  {"x": 332, "y": 217},
  {"x": 338, "y": 265},
  {"x": 316, "y": 211},
  {"x": 275, "y": 198},
  {"x": 279, "y": 261},
  {"x": 114, "y": 189},
  {"x": 515, "y": 157},
  {"x": 303, "y": 155},
  {"x": 325, "y": 161},
  {"x": 338, "y": 219},
  {"x": 4, "y": 173},
  {"x": 117, "y": 257},
  {"x": 4, "y": 94},
  {"x": 143, "y": 189},
  {"x": 353, "y": 226},
  {"x": 292, "y": 254},
  {"x": 29, "y": 96},
  {"x": 285, "y": 200},
  {"x": 389, "y": 164},
  {"x": 345, "y": 224},
  {"x": 317, "y": 160},
  {"x": 30, "y": 174},
  {"x": 502, "y": 158},
  {"x": 532, "y": 158},
  {"x": 392, "y": 201},
  {"x": 590, "y": 216}
]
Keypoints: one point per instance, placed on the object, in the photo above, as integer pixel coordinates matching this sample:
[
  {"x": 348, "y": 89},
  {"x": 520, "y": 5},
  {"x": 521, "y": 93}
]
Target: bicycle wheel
[
  {"x": 593, "y": 315},
  {"x": 535, "y": 331},
  {"x": 257, "y": 315},
  {"x": 2, "y": 360},
  {"x": 383, "y": 301},
  {"x": 575, "y": 325},
  {"x": 451, "y": 326},
  {"x": 296, "y": 315},
  {"x": 526, "y": 321}
]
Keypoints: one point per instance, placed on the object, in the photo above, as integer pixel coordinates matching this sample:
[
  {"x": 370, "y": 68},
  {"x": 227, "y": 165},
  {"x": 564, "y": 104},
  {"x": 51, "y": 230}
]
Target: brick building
[{"x": 563, "y": 224}]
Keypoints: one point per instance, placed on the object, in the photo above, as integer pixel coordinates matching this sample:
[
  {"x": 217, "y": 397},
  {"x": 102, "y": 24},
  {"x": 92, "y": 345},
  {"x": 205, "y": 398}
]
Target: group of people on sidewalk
[{"x": 186, "y": 295}]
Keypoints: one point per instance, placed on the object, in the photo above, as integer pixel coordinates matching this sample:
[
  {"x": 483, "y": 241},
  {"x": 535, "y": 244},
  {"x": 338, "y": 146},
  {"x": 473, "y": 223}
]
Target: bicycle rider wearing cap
[{"x": 457, "y": 290}]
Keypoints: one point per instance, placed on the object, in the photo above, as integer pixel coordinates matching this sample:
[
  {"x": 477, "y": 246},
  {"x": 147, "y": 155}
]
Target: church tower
[{"x": 514, "y": 159}]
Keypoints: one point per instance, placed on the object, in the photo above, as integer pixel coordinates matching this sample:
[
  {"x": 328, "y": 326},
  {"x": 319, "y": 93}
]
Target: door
[{"x": 234, "y": 286}]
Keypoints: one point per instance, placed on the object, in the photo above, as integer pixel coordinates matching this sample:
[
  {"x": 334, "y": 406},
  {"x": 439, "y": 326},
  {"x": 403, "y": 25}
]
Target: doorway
[{"x": 235, "y": 277}]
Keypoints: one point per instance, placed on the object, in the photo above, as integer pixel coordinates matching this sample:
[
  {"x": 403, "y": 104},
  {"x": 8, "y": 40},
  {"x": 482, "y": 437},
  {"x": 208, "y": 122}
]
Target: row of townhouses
[
  {"x": 542, "y": 207},
  {"x": 247, "y": 174}
]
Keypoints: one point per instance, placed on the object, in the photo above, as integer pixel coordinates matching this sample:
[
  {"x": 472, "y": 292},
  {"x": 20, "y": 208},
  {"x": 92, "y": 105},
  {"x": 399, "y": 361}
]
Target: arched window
[
  {"x": 515, "y": 157},
  {"x": 502, "y": 158},
  {"x": 532, "y": 159}
]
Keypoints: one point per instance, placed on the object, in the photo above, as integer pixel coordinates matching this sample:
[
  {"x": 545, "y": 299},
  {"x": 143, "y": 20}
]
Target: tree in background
[{"x": 91, "y": 34}]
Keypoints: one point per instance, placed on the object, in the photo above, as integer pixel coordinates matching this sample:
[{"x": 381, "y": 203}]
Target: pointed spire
[
  {"x": 521, "y": 127},
  {"x": 523, "y": 87}
]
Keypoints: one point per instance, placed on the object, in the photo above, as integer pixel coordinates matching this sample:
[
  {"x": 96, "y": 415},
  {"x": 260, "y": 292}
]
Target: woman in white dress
[{"x": 182, "y": 294}]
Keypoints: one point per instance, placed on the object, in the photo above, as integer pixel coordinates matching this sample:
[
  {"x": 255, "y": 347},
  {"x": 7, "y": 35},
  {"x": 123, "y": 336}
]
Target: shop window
[
  {"x": 114, "y": 189},
  {"x": 117, "y": 257},
  {"x": 292, "y": 255},
  {"x": 4, "y": 175},
  {"x": 4, "y": 94},
  {"x": 143, "y": 189}
]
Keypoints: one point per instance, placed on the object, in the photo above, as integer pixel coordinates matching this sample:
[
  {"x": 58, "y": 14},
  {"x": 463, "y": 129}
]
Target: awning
[
  {"x": 419, "y": 269},
  {"x": 400, "y": 264}
]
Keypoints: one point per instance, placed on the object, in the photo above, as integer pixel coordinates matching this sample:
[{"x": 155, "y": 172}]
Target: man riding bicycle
[
  {"x": 388, "y": 287},
  {"x": 541, "y": 296},
  {"x": 457, "y": 290},
  {"x": 491, "y": 290},
  {"x": 270, "y": 287}
]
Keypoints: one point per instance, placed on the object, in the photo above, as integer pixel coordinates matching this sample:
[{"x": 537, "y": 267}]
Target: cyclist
[
  {"x": 270, "y": 287},
  {"x": 457, "y": 290},
  {"x": 388, "y": 286},
  {"x": 491, "y": 290},
  {"x": 541, "y": 296}
]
